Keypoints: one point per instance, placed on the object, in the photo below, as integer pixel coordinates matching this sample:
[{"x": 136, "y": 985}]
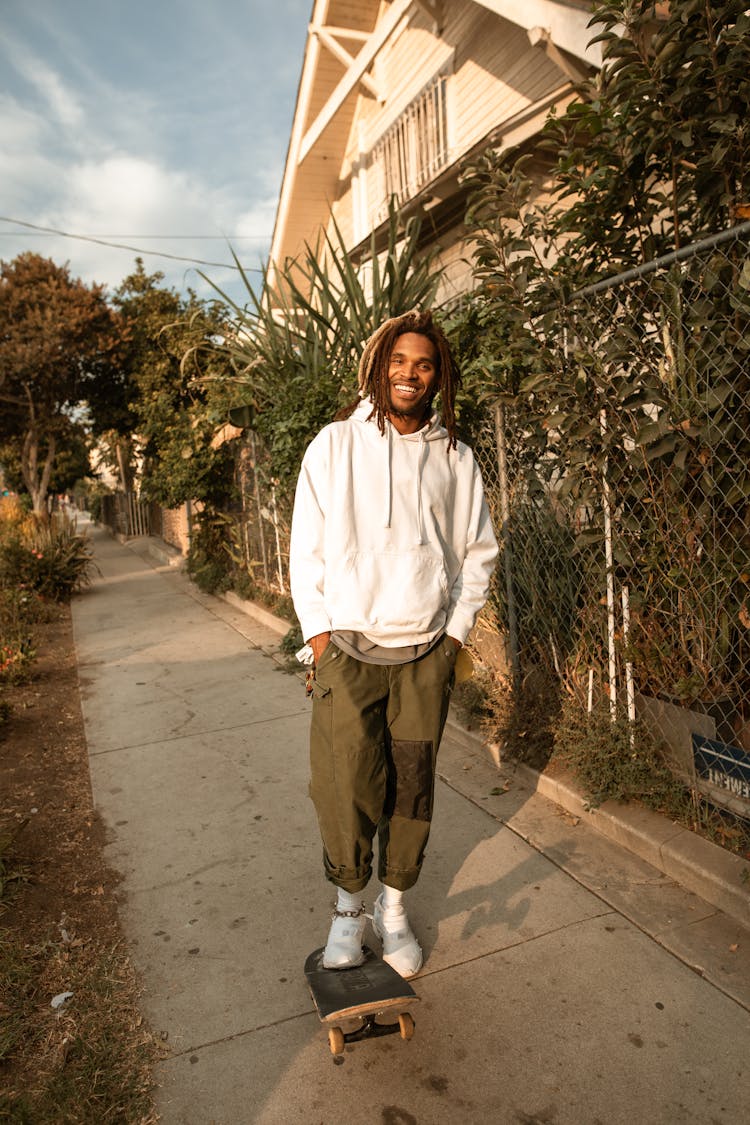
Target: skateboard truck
[{"x": 370, "y": 1029}]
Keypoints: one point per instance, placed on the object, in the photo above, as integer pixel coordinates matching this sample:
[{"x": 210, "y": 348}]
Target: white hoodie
[{"x": 391, "y": 536}]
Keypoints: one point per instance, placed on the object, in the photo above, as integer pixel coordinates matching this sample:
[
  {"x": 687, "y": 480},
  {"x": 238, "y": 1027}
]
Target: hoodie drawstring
[
  {"x": 420, "y": 460},
  {"x": 422, "y": 453},
  {"x": 389, "y": 478}
]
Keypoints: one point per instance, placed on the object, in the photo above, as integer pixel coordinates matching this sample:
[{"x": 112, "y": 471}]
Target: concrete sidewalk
[{"x": 560, "y": 983}]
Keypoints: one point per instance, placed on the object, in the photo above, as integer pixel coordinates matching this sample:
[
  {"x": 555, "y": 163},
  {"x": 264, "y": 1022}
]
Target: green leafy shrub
[
  {"x": 292, "y": 641},
  {"x": 243, "y": 586},
  {"x": 208, "y": 562},
  {"x": 53, "y": 559}
]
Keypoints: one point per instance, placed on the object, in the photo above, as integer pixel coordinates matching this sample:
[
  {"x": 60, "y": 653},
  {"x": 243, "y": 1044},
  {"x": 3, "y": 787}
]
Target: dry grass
[{"x": 91, "y": 1060}]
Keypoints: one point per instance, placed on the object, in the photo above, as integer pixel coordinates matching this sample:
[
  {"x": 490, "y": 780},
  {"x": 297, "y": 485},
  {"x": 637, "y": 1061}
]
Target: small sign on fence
[{"x": 725, "y": 773}]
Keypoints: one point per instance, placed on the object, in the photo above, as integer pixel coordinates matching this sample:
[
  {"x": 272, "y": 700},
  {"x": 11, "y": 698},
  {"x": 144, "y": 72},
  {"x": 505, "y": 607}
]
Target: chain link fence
[
  {"x": 619, "y": 484},
  {"x": 261, "y": 528},
  {"x": 625, "y": 566}
]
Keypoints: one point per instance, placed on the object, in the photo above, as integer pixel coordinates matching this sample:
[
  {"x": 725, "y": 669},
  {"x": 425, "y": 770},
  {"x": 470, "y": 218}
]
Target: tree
[
  {"x": 171, "y": 341},
  {"x": 71, "y": 464},
  {"x": 59, "y": 340}
]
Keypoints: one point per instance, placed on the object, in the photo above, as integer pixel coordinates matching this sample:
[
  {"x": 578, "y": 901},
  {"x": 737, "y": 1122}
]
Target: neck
[{"x": 407, "y": 423}]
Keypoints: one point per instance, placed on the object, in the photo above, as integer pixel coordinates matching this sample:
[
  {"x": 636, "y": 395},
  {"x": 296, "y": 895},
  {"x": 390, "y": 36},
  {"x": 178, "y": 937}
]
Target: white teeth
[{"x": 405, "y": 390}]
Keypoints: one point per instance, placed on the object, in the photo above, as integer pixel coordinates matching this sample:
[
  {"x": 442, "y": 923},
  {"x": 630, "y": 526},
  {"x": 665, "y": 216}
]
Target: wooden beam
[
  {"x": 346, "y": 33},
  {"x": 328, "y": 40},
  {"x": 568, "y": 24},
  {"x": 360, "y": 64},
  {"x": 540, "y": 38},
  {"x": 435, "y": 9}
]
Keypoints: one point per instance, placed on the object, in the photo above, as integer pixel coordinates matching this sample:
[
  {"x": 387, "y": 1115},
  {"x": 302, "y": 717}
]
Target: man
[{"x": 391, "y": 557}]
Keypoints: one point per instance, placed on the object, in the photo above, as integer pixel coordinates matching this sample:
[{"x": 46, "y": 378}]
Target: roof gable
[{"x": 345, "y": 39}]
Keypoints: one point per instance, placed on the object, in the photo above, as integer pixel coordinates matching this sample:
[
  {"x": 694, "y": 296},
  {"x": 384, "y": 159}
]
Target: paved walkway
[{"x": 560, "y": 984}]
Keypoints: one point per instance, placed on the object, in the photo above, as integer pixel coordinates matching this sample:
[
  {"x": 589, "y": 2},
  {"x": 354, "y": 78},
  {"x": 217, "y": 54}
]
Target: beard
[{"x": 422, "y": 408}]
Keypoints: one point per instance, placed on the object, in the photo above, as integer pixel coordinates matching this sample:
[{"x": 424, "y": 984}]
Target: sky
[{"x": 124, "y": 120}]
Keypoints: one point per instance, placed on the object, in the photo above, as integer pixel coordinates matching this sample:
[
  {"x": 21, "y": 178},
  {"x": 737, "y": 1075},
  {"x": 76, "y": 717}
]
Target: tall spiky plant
[{"x": 296, "y": 345}]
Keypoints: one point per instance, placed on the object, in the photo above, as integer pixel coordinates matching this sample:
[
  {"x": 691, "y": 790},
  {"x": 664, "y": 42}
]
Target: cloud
[
  {"x": 126, "y": 192},
  {"x": 31, "y": 166},
  {"x": 19, "y": 126},
  {"x": 106, "y": 133},
  {"x": 257, "y": 220},
  {"x": 125, "y": 198},
  {"x": 61, "y": 102}
]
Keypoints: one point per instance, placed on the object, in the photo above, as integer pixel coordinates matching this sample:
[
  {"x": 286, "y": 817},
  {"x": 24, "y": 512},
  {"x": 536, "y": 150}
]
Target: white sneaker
[
  {"x": 401, "y": 950},
  {"x": 344, "y": 947}
]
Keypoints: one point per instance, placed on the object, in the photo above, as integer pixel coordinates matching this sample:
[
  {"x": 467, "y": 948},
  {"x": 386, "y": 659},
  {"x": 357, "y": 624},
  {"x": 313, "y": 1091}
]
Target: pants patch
[{"x": 410, "y": 780}]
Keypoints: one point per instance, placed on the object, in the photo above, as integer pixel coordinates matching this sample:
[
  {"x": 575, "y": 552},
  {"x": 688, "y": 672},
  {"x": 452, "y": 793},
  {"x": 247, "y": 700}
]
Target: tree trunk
[
  {"x": 37, "y": 483},
  {"x": 124, "y": 463}
]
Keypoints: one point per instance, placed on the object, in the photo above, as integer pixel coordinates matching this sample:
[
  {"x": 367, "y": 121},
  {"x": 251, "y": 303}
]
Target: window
[{"x": 413, "y": 150}]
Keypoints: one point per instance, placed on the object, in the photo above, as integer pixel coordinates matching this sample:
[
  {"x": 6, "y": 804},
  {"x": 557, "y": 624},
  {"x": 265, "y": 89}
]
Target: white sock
[
  {"x": 347, "y": 901},
  {"x": 393, "y": 904}
]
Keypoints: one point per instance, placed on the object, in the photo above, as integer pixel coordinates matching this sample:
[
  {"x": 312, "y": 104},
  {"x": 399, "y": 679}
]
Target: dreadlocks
[{"x": 374, "y": 366}]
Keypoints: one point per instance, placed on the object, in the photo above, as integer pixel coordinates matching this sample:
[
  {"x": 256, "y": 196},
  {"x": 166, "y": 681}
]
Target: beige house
[{"x": 396, "y": 95}]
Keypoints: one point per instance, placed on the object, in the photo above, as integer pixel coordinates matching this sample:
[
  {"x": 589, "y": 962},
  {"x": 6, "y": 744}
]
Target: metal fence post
[
  {"x": 259, "y": 506},
  {"x": 507, "y": 541}
]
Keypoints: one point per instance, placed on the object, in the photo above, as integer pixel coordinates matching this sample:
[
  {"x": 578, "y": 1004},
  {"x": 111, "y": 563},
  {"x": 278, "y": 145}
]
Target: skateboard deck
[{"x": 365, "y": 996}]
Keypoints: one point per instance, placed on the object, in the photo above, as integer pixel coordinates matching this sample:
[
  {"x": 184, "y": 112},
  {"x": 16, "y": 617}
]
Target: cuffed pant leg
[
  {"x": 348, "y": 763},
  {"x": 416, "y": 713}
]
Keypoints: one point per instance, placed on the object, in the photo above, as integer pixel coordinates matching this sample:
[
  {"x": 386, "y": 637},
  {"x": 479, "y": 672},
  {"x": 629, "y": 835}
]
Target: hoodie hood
[{"x": 432, "y": 431}]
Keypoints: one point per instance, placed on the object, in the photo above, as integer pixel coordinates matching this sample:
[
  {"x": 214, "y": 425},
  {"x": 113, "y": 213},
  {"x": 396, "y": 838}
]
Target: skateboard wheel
[
  {"x": 336, "y": 1040},
  {"x": 406, "y": 1024}
]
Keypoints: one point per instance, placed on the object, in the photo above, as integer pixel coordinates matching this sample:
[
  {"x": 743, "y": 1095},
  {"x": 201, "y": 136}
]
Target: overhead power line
[
  {"x": 124, "y": 246},
  {"x": 161, "y": 237}
]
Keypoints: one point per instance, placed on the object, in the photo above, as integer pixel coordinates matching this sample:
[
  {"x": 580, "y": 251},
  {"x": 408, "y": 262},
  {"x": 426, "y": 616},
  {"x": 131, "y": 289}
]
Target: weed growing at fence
[
  {"x": 614, "y": 760},
  {"x": 292, "y": 642},
  {"x": 521, "y": 724},
  {"x": 209, "y": 563},
  {"x": 471, "y": 700},
  {"x": 617, "y": 760}
]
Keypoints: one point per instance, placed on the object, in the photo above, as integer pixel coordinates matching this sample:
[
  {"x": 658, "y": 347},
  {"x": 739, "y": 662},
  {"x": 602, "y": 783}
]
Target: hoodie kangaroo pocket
[{"x": 390, "y": 592}]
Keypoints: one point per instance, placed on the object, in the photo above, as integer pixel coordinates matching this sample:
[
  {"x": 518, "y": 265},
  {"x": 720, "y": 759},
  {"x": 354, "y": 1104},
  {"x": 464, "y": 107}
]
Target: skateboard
[{"x": 360, "y": 996}]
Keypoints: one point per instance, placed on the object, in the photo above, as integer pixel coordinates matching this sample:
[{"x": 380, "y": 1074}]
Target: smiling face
[{"x": 412, "y": 381}]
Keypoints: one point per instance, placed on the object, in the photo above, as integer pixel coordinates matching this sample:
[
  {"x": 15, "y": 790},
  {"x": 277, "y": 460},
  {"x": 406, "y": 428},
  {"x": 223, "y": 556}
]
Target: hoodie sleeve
[
  {"x": 472, "y": 585},
  {"x": 306, "y": 555}
]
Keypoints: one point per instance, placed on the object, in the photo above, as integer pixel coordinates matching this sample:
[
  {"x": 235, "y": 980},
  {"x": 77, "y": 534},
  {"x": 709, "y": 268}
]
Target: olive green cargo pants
[{"x": 374, "y": 739}]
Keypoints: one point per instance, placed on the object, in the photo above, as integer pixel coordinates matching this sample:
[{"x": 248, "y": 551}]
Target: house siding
[{"x": 494, "y": 74}]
